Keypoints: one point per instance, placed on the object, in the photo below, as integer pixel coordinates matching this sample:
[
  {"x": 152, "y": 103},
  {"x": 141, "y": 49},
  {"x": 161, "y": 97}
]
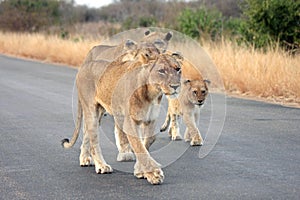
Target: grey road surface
[{"x": 256, "y": 157}]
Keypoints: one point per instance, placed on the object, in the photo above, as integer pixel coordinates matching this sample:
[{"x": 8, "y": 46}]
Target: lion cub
[{"x": 192, "y": 96}]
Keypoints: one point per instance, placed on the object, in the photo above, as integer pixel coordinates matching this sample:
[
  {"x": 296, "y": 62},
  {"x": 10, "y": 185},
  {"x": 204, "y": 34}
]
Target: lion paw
[
  {"x": 176, "y": 137},
  {"x": 122, "y": 157},
  {"x": 197, "y": 141},
  {"x": 155, "y": 177},
  {"x": 103, "y": 169},
  {"x": 88, "y": 161},
  {"x": 174, "y": 134},
  {"x": 152, "y": 172}
]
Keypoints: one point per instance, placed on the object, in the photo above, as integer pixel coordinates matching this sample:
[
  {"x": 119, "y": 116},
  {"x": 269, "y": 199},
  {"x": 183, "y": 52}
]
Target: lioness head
[
  {"x": 166, "y": 74},
  {"x": 160, "y": 40},
  {"x": 196, "y": 91},
  {"x": 143, "y": 52}
]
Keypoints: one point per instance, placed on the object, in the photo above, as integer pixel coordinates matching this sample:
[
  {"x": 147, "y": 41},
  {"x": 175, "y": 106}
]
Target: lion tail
[
  {"x": 65, "y": 142},
  {"x": 166, "y": 124}
]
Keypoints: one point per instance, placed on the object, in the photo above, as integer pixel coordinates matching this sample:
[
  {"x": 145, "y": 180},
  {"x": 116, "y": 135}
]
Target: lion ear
[
  {"x": 178, "y": 56},
  {"x": 147, "y": 32},
  {"x": 168, "y": 36},
  {"x": 130, "y": 45}
]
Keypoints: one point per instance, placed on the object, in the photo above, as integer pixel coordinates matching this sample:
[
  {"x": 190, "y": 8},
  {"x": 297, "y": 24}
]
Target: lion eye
[
  {"x": 162, "y": 71},
  {"x": 159, "y": 42},
  {"x": 203, "y": 92},
  {"x": 195, "y": 92},
  {"x": 178, "y": 69}
]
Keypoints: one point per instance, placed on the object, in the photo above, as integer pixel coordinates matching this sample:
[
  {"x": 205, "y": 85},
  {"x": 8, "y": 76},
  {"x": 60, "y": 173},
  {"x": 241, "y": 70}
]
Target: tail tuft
[
  {"x": 162, "y": 129},
  {"x": 65, "y": 142}
]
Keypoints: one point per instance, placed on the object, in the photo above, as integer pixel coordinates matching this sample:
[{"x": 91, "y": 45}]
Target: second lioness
[{"x": 193, "y": 93}]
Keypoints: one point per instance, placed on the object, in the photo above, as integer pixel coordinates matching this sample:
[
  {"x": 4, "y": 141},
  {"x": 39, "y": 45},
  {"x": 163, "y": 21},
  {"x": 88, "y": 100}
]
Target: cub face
[
  {"x": 166, "y": 74},
  {"x": 197, "y": 91}
]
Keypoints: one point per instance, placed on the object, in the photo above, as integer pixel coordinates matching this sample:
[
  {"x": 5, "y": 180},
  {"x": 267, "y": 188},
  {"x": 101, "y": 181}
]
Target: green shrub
[
  {"x": 272, "y": 21},
  {"x": 200, "y": 23}
]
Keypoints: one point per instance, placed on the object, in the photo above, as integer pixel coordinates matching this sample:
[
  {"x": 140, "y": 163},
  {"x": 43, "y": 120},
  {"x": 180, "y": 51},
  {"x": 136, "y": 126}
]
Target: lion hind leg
[
  {"x": 91, "y": 125},
  {"x": 85, "y": 158},
  {"x": 125, "y": 152}
]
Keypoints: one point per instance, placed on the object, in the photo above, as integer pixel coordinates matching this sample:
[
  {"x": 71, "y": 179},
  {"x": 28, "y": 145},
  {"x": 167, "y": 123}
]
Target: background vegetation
[{"x": 261, "y": 23}]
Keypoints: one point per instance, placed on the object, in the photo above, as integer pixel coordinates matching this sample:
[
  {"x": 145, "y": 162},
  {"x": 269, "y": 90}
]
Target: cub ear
[
  {"x": 178, "y": 56},
  {"x": 130, "y": 45},
  {"x": 207, "y": 81},
  {"x": 147, "y": 32},
  {"x": 168, "y": 36}
]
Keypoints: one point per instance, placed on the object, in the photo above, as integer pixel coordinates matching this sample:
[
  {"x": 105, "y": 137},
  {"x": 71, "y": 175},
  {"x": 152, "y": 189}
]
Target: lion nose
[
  {"x": 174, "y": 86},
  {"x": 200, "y": 101}
]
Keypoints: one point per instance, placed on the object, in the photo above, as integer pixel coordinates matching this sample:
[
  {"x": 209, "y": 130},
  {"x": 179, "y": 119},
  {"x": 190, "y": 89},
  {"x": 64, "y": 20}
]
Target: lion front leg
[
  {"x": 192, "y": 133},
  {"x": 91, "y": 125},
  {"x": 145, "y": 166},
  {"x": 125, "y": 152},
  {"x": 174, "y": 131}
]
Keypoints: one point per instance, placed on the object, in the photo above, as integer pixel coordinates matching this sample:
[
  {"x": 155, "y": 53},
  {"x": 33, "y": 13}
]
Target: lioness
[
  {"x": 132, "y": 108},
  {"x": 86, "y": 80},
  {"x": 192, "y": 96},
  {"x": 153, "y": 43}
]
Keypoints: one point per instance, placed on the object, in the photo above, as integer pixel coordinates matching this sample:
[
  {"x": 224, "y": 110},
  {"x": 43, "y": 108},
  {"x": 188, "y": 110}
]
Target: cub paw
[
  {"x": 85, "y": 162},
  {"x": 197, "y": 141},
  {"x": 176, "y": 137},
  {"x": 103, "y": 169},
  {"x": 123, "y": 157}
]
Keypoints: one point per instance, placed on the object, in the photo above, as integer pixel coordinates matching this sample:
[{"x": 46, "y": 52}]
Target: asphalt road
[{"x": 257, "y": 155}]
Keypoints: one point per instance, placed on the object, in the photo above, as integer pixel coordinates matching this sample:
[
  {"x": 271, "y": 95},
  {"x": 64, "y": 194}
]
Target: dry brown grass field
[
  {"x": 46, "y": 48},
  {"x": 273, "y": 75}
]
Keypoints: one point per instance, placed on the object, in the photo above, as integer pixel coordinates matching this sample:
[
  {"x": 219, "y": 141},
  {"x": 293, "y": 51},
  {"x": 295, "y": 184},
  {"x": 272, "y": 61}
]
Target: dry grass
[
  {"x": 45, "y": 48},
  {"x": 273, "y": 75}
]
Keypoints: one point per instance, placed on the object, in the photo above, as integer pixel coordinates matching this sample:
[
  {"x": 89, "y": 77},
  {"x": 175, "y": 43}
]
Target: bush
[
  {"x": 28, "y": 15},
  {"x": 272, "y": 21},
  {"x": 200, "y": 23}
]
